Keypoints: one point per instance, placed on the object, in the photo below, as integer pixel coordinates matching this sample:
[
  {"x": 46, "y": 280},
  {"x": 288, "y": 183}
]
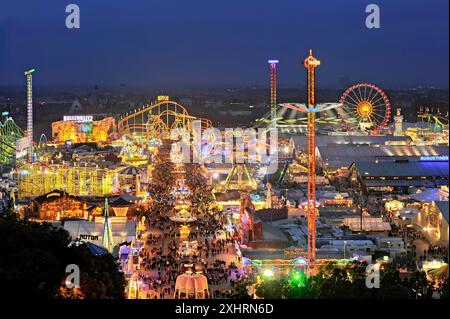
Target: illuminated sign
[
  {"x": 294, "y": 251},
  {"x": 53, "y": 194},
  {"x": 438, "y": 158},
  {"x": 163, "y": 98},
  {"x": 78, "y": 118},
  {"x": 22, "y": 153},
  {"x": 22, "y": 143},
  {"x": 22, "y": 146},
  {"x": 88, "y": 237}
]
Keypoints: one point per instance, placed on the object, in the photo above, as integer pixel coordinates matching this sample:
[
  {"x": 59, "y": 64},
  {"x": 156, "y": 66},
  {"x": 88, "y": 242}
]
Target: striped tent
[{"x": 131, "y": 170}]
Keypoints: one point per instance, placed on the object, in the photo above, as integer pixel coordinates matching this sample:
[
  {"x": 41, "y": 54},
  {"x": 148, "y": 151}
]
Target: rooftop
[
  {"x": 301, "y": 141},
  {"x": 443, "y": 208},
  {"x": 344, "y": 155},
  {"x": 402, "y": 169}
]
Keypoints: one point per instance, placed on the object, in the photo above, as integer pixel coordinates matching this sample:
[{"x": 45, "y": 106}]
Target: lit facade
[
  {"x": 58, "y": 205},
  {"x": 36, "y": 179},
  {"x": 83, "y": 129},
  {"x": 433, "y": 220}
]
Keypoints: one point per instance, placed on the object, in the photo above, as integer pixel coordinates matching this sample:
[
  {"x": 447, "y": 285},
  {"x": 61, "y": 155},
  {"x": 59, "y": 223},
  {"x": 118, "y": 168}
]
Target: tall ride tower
[
  {"x": 398, "y": 123},
  {"x": 107, "y": 238},
  {"x": 311, "y": 63},
  {"x": 273, "y": 93},
  {"x": 29, "y": 76},
  {"x": 311, "y": 108}
]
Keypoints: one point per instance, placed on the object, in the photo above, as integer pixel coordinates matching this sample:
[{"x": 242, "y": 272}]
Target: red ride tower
[
  {"x": 311, "y": 108},
  {"x": 311, "y": 63}
]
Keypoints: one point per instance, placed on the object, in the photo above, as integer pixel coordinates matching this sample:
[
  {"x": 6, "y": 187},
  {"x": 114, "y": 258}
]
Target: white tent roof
[{"x": 368, "y": 224}]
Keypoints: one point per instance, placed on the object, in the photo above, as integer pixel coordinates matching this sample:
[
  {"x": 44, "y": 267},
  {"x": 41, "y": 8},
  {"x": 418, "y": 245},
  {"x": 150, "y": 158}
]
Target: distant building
[
  {"x": 350, "y": 248},
  {"x": 83, "y": 129},
  {"x": 335, "y": 156},
  {"x": 76, "y": 107},
  {"x": 301, "y": 141},
  {"x": 186, "y": 101}
]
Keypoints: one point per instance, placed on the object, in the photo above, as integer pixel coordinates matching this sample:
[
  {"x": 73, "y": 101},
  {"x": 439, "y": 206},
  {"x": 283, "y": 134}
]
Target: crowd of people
[
  {"x": 436, "y": 251},
  {"x": 162, "y": 262}
]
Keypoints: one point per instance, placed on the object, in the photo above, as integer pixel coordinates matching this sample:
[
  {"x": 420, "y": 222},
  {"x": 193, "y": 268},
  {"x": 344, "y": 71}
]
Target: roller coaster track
[
  {"x": 157, "y": 119},
  {"x": 6, "y": 148},
  {"x": 435, "y": 122},
  {"x": 9, "y": 134}
]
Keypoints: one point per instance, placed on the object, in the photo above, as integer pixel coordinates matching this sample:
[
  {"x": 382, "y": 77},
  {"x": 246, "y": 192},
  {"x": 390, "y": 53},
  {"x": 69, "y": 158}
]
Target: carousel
[
  {"x": 188, "y": 249},
  {"x": 183, "y": 216},
  {"x": 191, "y": 285}
]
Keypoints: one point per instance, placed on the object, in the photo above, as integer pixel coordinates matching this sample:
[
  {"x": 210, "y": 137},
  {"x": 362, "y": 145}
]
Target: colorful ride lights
[
  {"x": 29, "y": 71},
  {"x": 268, "y": 273}
]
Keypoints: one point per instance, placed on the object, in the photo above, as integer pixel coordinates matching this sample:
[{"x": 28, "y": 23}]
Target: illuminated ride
[
  {"x": 42, "y": 141},
  {"x": 273, "y": 92},
  {"x": 29, "y": 77},
  {"x": 131, "y": 151},
  {"x": 364, "y": 107},
  {"x": 9, "y": 134},
  {"x": 239, "y": 178},
  {"x": 39, "y": 178},
  {"x": 437, "y": 122},
  {"x": 42, "y": 150},
  {"x": 191, "y": 285},
  {"x": 156, "y": 120},
  {"x": 311, "y": 108}
]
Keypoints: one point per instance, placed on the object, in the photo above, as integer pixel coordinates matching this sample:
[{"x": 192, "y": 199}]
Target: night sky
[{"x": 213, "y": 43}]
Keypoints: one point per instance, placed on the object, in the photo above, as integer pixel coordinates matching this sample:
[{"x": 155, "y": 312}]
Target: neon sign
[
  {"x": 78, "y": 118},
  {"x": 438, "y": 158}
]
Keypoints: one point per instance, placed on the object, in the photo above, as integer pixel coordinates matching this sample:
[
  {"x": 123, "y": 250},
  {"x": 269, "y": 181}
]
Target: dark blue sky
[{"x": 197, "y": 42}]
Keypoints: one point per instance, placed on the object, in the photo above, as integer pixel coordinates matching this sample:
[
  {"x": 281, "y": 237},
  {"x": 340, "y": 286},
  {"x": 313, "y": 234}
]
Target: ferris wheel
[{"x": 364, "y": 107}]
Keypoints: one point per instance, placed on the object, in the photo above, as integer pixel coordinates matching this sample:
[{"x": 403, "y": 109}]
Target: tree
[
  {"x": 443, "y": 289},
  {"x": 34, "y": 259},
  {"x": 419, "y": 286},
  {"x": 391, "y": 285},
  {"x": 271, "y": 289},
  {"x": 240, "y": 291},
  {"x": 346, "y": 282},
  {"x": 298, "y": 286},
  {"x": 335, "y": 282}
]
